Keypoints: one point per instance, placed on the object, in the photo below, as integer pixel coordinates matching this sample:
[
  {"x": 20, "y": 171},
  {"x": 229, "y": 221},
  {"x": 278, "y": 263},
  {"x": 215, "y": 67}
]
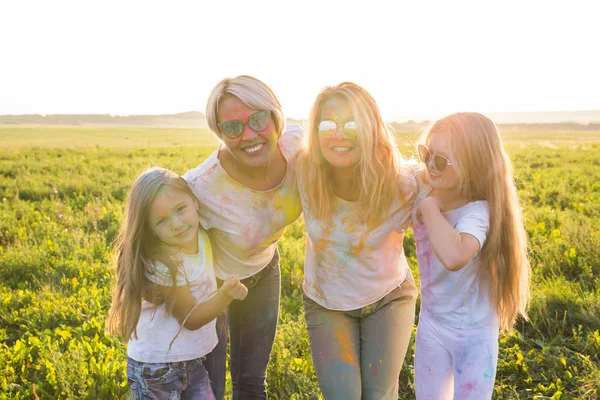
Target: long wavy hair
[
  {"x": 485, "y": 172},
  {"x": 137, "y": 248},
  {"x": 377, "y": 172}
]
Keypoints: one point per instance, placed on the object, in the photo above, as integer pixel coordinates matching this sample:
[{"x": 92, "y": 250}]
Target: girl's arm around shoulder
[
  {"x": 198, "y": 315},
  {"x": 452, "y": 248}
]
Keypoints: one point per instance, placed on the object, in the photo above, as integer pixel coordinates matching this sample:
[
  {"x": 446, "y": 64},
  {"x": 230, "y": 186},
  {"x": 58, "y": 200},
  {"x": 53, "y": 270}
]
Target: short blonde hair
[{"x": 252, "y": 92}]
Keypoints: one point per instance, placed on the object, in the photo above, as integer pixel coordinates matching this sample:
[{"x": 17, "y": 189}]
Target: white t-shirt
[
  {"x": 456, "y": 298},
  {"x": 244, "y": 225},
  {"x": 156, "y": 328},
  {"x": 348, "y": 264}
]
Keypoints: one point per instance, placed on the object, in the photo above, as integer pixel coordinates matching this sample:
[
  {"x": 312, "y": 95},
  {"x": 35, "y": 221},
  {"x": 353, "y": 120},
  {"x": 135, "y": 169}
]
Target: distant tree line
[{"x": 196, "y": 119}]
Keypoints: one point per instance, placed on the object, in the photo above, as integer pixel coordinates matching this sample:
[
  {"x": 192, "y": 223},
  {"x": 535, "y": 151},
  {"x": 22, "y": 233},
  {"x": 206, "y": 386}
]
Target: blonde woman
[
  {"x": 472, "y": 253},
  {"x": 248, "y": 196},
  {"x": 359, "y": 295}
]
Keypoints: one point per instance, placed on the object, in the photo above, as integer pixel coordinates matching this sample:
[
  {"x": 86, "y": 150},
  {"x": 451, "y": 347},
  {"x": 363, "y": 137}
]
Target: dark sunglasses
[
  {"x": 440, "y": 163},
  {"x": 328, "y": 128},
  {"x": 259, "y": 121}
]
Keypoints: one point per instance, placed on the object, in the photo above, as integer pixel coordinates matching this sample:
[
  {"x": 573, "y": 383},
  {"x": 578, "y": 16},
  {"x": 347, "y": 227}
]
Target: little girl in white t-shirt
[
  {"x": 162, "y": 252},
  {"x": 471, "y": 250}
]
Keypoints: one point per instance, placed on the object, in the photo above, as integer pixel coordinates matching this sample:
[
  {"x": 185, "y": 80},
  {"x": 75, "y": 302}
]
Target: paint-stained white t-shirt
[
  {"x": 244, "y": 225},
  {"x": 350, "y": 264},
  {"x": 156, "y": 328},
  {"x": 456, "y": 298}
]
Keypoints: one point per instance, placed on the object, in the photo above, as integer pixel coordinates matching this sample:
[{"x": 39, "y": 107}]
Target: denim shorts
[{"x": 176, "y": 380}]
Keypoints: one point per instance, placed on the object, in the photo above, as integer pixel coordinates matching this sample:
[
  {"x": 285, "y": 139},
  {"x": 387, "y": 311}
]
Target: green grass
[
  {"x": 82, "y": 136},
  {"x": 61, "y": 201}
]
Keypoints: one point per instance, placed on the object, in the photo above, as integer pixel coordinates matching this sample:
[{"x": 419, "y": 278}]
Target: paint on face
[
  {"x": 339, "y": 151},
  {"x": 174, "y": 219},
  {"x": 251, "y": 148},
  {"x": 440, "y": 144}
]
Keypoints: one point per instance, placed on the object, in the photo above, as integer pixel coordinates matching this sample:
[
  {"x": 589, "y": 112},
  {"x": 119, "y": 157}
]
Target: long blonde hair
[
  {"x": 485, "y": 172},
  {"x": 137, "y": 248},
  {"x": 377, "y": 172}
]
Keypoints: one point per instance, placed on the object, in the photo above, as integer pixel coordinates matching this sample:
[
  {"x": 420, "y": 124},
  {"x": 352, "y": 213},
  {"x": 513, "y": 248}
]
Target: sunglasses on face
[
  {"x": 440, "y": 163},
  {"x": 259, "y": 121},
  {"x": 328, "y": 128}
]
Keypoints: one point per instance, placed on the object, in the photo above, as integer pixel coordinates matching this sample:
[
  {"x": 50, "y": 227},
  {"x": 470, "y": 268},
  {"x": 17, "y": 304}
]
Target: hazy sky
[{"x": 415, "y": 57}]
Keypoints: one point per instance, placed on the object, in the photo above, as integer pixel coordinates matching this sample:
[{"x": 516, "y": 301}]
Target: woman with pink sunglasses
[{"x": 248, "y": 196}]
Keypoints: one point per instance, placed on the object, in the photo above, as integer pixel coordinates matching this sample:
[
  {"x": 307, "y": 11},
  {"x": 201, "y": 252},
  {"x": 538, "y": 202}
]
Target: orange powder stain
[
  {"x": 359, "y": 248},
  {"x": 322, "y": 244},
  {"x": 328, "y": 229},
  {"x": 346, "y": 353}
]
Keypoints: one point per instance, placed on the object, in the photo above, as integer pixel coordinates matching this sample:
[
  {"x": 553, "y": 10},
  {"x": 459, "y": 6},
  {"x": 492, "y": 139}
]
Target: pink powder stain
[
  {"x": 209, "y": 171},
  {"x": 203, "y": 178},
  {"x": 373, "y": 369},
  {"x": 467, "y": 389},
  {"x": 425, "y": 257}
]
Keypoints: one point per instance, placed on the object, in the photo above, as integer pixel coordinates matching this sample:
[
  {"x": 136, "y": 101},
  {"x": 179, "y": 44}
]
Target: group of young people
[{"x": 197, "y": 259}]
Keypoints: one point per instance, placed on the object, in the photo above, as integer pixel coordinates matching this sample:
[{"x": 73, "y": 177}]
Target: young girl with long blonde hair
[
  {"x": 163, "y": 253},
  {"x": 472, "y": 255}
]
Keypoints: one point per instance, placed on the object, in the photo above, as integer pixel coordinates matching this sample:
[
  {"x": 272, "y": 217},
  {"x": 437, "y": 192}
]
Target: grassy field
[
  {"x": 62, "y": 194},
  {"x": 24, "y": 137}
]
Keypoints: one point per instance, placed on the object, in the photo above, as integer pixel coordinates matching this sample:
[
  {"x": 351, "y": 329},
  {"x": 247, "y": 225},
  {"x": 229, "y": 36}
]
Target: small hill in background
[
  {"x": 191, "y": 119},
  {"x": 540, "y": 121}
]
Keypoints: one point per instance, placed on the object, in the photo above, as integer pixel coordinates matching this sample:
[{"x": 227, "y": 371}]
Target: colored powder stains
[
  {"x": 346, "y": 347},
  {"x": 321, "y": 246},
  {"x": 224, "y": 199},
  {"x": 342, "y": 366},
  {"x": 467, "y": 388},
  {"x": 289, "y": 206},
  {"x": 344, "y": 256},
  {"x": 489, "y": 372},
  {"x": 204, "y": 176},
  {"x": 252, "y": 237},
  {"x": 316, "y": 290},
  {"x": 328, "y": 230},
  {"x": 373, "y": 369},
  {"x": 209, "y": 171},
  {"x": 349, "y": 228},
  {"x": 359, "y": 248},
  {"x": 460, "y": 360}
]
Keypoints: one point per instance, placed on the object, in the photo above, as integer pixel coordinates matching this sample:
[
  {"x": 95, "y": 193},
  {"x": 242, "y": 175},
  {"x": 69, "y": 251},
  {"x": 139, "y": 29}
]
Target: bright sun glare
[{"x": 416, "y": 58}]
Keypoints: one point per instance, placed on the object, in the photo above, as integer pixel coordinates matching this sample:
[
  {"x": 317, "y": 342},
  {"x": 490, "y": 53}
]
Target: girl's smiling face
[
  {"x": 174, "y": 219},
  {"x": 447, "y": 179}
]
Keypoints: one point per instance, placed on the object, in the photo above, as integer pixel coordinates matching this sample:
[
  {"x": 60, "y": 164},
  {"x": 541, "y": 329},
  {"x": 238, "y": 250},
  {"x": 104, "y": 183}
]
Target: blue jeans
[
  {"x": 177, "y": 380},
  {"x": 252, "y": 324}
]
